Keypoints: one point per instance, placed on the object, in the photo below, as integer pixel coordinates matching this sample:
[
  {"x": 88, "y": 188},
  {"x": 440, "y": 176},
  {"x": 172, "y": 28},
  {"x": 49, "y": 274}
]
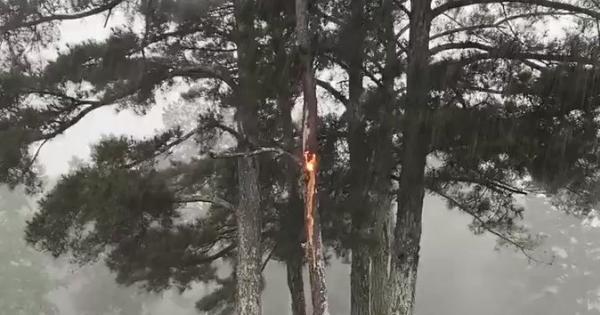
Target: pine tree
[{"x": 124, "y": 204}]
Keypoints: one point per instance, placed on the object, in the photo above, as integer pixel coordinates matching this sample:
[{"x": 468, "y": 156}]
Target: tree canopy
[{"x": 462, "y": 99}]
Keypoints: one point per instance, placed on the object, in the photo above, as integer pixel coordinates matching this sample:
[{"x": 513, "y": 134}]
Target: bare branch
[
  {"x": 165, "y": 148},
  {"x": 217, "y": 255},
  {"x": 206, "y": 72},
  {"x": 333, "y": 91},
  {"x": 240, "y": 138},
  {"x": 278, "y": 151},
  {"x": 402, "y": 8},
  {"x": 269, "y": 256},
  {"x": 207, "y": 199}
]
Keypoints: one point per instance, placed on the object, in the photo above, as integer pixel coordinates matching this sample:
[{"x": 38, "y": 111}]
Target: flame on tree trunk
[
  {"x": 310, "y": 165},
  {"x": 314, "y": 247}
]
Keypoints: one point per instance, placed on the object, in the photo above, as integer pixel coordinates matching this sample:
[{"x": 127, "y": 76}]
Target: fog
[{"x": 459, "y": 272}]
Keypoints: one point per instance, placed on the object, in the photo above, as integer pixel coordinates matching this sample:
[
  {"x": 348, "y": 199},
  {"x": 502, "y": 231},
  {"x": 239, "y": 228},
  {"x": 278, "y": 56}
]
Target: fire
[
  {"x": 310, "y": 164},
  {"x": 310, "y": 161}
]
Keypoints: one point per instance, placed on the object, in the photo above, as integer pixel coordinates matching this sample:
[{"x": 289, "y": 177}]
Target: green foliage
[{"x": 119, "y": 204}]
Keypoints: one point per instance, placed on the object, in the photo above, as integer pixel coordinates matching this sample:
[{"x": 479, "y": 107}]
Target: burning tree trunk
[{"x": 314, "y": 246}]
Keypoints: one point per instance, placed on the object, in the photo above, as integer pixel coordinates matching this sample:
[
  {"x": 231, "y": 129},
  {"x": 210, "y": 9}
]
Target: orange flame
[
  {"x": 310, "y": 165},
  {"x": 310, "y": 161}
]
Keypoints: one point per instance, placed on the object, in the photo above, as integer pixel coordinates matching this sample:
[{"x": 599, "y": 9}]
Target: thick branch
[
  {"x": 166, "y": 148},
  {"x": 333, "y": 91},
  {"x": 496, "y": 24},
  {"x": 500, "y": 53},
  {"x": 206, "y": 72},
  {"x": 543, "y": 3},
  {"x": 278, "y": 151},
  {"x": 215, "y": 256},
  {"x": 61, "y": 17},
  {"x": 206, "y": 199}
]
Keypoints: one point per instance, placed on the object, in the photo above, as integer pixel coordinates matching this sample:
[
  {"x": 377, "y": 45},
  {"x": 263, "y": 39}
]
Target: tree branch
[
  {"x": 333, "y": 91},
  {"x": 455, "y": 4},
  {"x": 206, "y": 72},
  {"x": 215, "y": 256},
  {"x": 500, "y": 53},
  {"x": 485, "y": 226},
  {"x": 61, "y": 17},
  {"x": 494, "y": 185},
  {"x": 269, "y": 256},
  {"x": 495, "y": 24},
  {"x": 400, "y": 5},
  {"x": 165, "y": 148},
  {"x": 206, "y": 199},
  {"x": 258, "y": 151}
]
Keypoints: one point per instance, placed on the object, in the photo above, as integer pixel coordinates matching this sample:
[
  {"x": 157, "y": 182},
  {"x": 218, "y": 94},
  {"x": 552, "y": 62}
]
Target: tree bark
[
  {"x": 380, "y": 256},
  {"x": 314, "y": 247},
  {"x": 407, "y": 233},
  {"x": 248, "y": 212},
  {"x": 292, "y": 216},
  {"x": 249, "y": 255},
  {"x": 296, "y": 284},
  {"x": 360, "y": 279},
  {"x": 354, "y": 37},
  {"x": 381, "y": 297}
]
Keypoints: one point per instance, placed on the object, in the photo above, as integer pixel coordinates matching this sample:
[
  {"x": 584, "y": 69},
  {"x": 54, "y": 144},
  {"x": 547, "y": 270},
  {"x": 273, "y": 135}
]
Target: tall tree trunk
[
  {"x": 381, "y": 298},
  {"x": 380, "y": 257},
  {"x": 248, "y": 213},
  {"x": 353, "y": 45},
  {"x": 310, "y": 148},
  {"x": 249, "y": 255},
  {"x": 296, "y": 283},
  {"x": 292, "y": 217},
  {"x": 407, "y": 233}
]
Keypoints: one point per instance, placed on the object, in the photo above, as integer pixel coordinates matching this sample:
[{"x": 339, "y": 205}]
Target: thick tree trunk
[
  {"x": 381, "y": 297},
  {"x": 353, "y": 42},
  {"x": 292, "y": 216},
  {"x": 249, "y": 255},
  {"x": 380, "y": 257},
  {"x": 296, "y": 284},
  {"x": 360, "y": 280},
  {"x": 310, "y": 148},
  {"x": 248, "y": 212},
  {"x": 407, "y": 233}
]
